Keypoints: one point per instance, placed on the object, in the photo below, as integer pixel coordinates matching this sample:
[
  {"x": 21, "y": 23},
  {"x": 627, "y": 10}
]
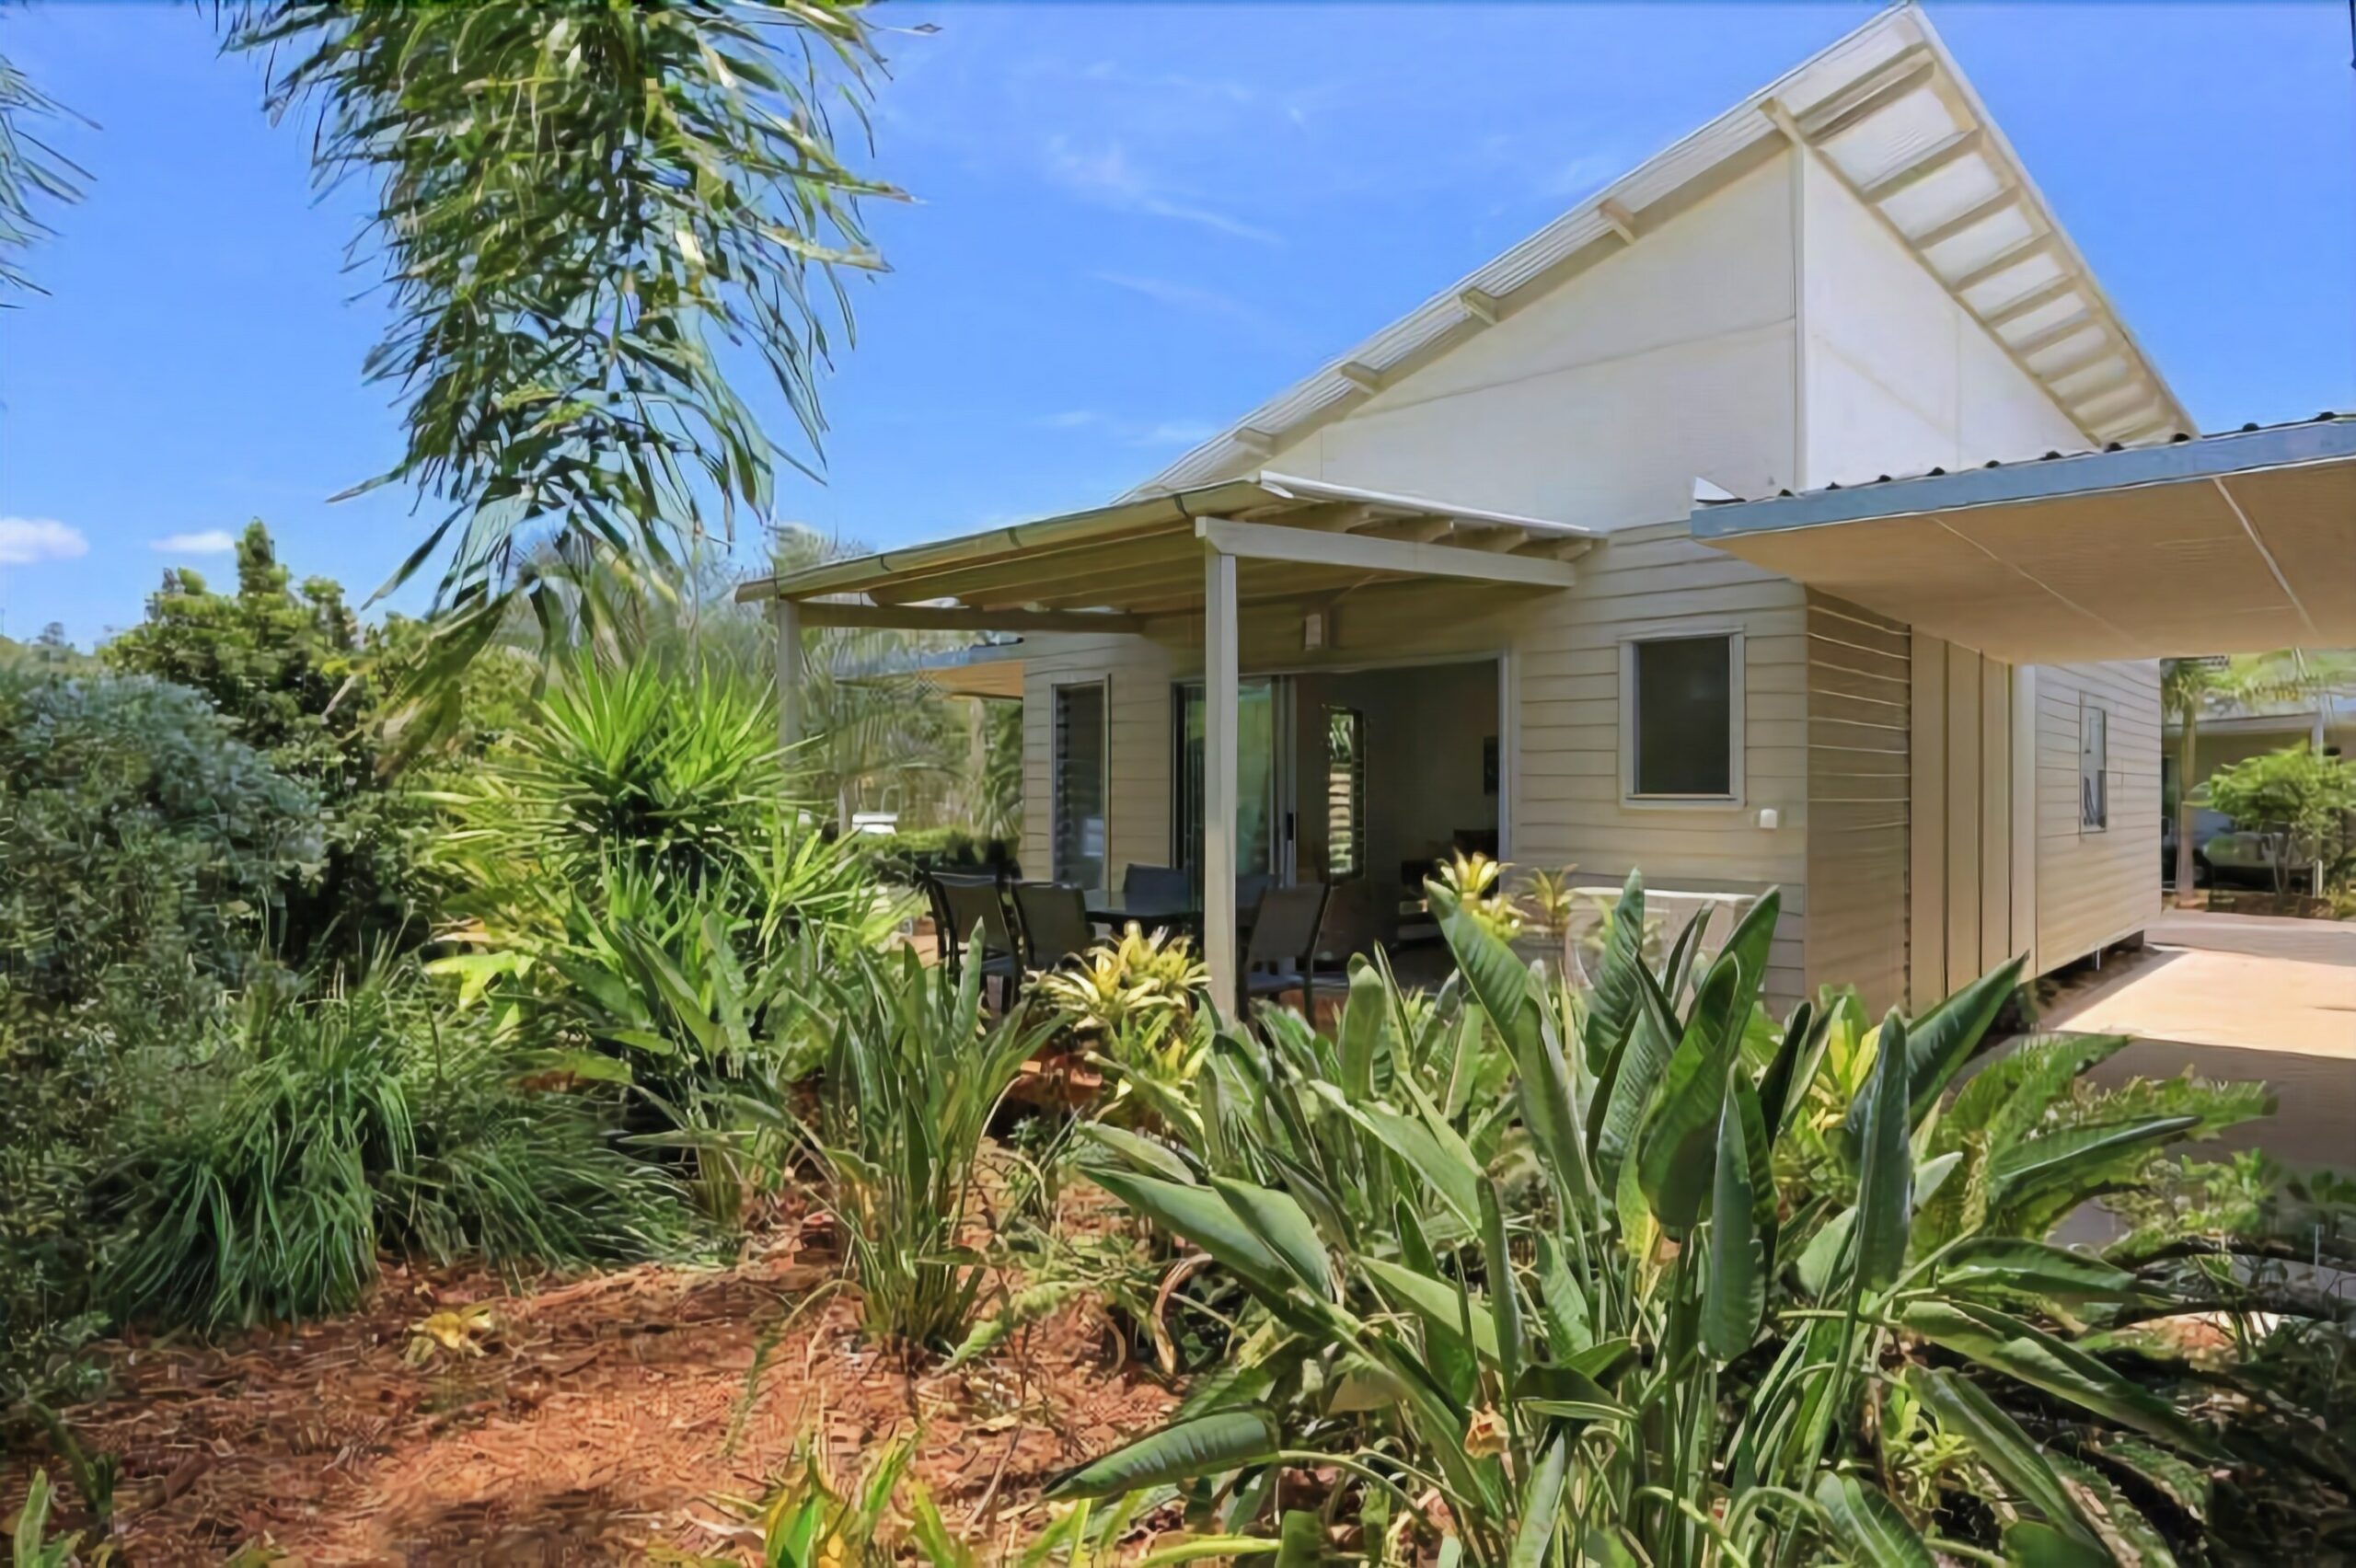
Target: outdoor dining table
[{"x": 1109, "y": 907}]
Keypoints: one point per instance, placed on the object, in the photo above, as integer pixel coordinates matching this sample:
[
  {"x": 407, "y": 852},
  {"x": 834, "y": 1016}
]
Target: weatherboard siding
[
  {"x": 1859, "y": 716},
  {"x": 2096, "y": 888}
]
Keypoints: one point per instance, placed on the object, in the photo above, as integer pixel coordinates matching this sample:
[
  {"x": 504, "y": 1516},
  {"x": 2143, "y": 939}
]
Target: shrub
[
  {"x": 2302, "y": 797},
  {"x": 903, "y": 856},
  {"x": 325, "y": 1129}
]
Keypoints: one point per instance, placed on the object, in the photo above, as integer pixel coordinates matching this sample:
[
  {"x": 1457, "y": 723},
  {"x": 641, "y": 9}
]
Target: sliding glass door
[{"x": 1260, "y": 822}]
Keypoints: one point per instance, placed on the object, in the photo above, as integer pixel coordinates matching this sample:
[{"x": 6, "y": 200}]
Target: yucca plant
[{"x": 1659, "y": 1357}]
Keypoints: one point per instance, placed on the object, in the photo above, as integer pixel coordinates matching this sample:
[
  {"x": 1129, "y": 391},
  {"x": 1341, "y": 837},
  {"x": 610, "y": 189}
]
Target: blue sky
[{"x": 1131, "y": 224}]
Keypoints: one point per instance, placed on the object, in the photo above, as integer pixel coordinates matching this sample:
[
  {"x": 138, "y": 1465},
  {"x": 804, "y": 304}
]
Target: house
[{"x": 1487, "y": 581}]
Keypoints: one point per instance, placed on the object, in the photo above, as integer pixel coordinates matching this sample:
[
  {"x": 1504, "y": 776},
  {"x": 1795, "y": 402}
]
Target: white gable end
[{"x": 1602, "y": 400}]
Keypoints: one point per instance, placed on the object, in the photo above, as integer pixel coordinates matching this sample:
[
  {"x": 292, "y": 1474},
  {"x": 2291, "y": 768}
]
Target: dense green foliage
[
  {"x": 904, "y": 855},
  {"x": 2299, "y": 794}
]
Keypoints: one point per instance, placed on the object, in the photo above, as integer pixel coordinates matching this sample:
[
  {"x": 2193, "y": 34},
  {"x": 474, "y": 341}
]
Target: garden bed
[{"x": 593, "y": 1420}]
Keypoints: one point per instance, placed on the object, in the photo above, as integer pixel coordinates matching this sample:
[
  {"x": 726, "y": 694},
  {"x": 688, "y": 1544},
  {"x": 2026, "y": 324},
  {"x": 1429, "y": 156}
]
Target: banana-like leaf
[
  {"x": 1736, "y": 1296},
  {"x": 1542, "y": 1505},
  {"x": 2032, "y": 1543},
  {"x": 1364, "y": 1013},
  {"x": 2059, "y": 1161},
  {"x": 2017, "y": 1266},
  {"x": 1138, "y": 1152},
  {"x": 1746, "y": 947},
  {"x": 1654, "y": 1044},
  {"x": 1884, "y": 1180},
  {"x": 1300, "y": 1540},
  {"x": 2029, "y": 1355},
  {"x": 1561, "y": 1302},
  {"x": 1182, "y": 1451},
  {"x": 1279, "y": 1219},
  {"x": 1996, "y": 1440},
  {"x": 1202, "y": 1216},
  {"x": 1941, "y": 1041},
  {"x": 1674, "y": 1155},
  {"x": 1437, "y": 1303},
  {"x": 1801, "y": 1052},
  {"x": 1505, "y": 1298},
  {"x": 1613, "y": 1006},
  {"x": 1866, "y": 1525},
  {"x": 1448, "y": 1168}
]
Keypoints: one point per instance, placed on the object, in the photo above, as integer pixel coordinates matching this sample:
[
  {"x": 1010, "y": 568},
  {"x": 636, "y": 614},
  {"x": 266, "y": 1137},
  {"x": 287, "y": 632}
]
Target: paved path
[{"x": 2239, "y": 997}]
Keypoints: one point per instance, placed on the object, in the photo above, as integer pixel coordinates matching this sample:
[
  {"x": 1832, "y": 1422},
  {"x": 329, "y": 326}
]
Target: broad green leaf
[
  {"x": 1866, "y": 1525},
  {"x": 1542, "y": 1504},
  {"x": 1202, "y": 1217},
  {"x": 2058, "y": 1162},
  {"x": 1448, "y": 1168},
  {"x": 1995, "y": 1440},
  {"x": 1142, "y": 1153},
  {"x": 1436, "y": 1302},
  {"x": 1885, "y": 1178},
  {"x": 2016, "y": 1266},
  {"x": 1300, "y": 1540},
  {"x": 2031, "y": 1543},
  {"x": 1505, "y": 1298},
  {"x": 1363, "y": 1014},
  {"x": 1941, "y": 1041},
  {"x": 1614, "y": 1004},
  {"x": 1679, "y": 1139},
  {"x": 1735, "y": 1297},
  {"x": 2029, "y": 1355},
  {"x": 1748, "y": 945},
  {"x": 1278, "y": 1220},
  {"x": 1199, "y": 1445},
  {"x": 1798, "y": 1055},
  {"x": 1655, "y": 1041},
  {"x": 1561, "y": 1303}
]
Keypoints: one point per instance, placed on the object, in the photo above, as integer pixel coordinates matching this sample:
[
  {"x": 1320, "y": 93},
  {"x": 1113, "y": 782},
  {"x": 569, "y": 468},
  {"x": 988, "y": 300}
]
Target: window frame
[
  {"x": 2101, "y": 776},
  {"x": 1356, "y": 788},
  {"x": 1103, "y": 686},
  {"x": 1736, "y": 785}
]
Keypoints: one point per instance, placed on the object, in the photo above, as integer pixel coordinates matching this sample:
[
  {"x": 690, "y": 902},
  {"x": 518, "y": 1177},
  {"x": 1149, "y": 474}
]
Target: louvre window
[
  {"x": 1080, "y": 787},
  {"x": 2094, "y": 778},
  {"x": 1345, "y": 793}
]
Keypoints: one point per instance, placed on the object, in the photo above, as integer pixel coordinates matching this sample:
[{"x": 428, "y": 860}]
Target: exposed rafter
[
  {"x": 1955, "y": 149},
  {"x": 2037, "y": 299}
]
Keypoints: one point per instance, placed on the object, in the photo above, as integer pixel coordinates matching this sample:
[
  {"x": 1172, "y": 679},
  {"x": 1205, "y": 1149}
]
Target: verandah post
[{"x": 1222, "y": 671}]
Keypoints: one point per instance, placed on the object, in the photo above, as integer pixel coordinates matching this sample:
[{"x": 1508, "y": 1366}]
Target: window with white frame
[
  {"x": 2094, "y": 762},
  {"x": 1681, "y": 717},
  {"x": 1078, "y": 835}
]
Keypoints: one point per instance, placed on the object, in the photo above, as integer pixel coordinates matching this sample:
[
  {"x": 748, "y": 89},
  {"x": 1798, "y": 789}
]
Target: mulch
[{"x": 586, "y": 1421}]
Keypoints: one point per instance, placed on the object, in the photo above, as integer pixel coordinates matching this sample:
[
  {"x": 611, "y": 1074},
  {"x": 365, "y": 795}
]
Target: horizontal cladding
[
  {"x": 2095, "y": 888},
  {"x": 1859, "y": 784}
]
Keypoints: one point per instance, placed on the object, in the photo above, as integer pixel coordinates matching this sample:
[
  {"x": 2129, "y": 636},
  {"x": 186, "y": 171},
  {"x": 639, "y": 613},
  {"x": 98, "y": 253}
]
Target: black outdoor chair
[
  {"x": 971, "y": 913},
  {"x": 1284, "y": 941},
  {"x": 1054, "y": 918},
  {"x": 1167, "y": 885}
]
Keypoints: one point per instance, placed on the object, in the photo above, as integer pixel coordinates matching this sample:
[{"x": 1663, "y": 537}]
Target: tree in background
[
  {"x": 2190, "y": 687},
  {"x": 2295, "y": 793}
]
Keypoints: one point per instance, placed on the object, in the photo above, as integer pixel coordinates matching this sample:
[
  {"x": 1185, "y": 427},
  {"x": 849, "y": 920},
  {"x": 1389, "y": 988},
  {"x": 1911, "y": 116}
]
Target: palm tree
[{"x": 2189, "y": 688}]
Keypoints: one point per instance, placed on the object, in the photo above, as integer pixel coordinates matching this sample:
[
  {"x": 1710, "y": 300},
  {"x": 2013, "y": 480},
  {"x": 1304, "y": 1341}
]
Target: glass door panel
[{"x": 1257, "y": 817}]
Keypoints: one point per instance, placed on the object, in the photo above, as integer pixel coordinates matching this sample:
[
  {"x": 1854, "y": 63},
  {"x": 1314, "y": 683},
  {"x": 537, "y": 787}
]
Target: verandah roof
[
  {"x": 2240, "y": 542},
  {"x": 1114, "y": 568}
]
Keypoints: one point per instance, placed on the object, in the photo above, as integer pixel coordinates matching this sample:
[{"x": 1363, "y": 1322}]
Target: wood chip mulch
[{"x": 583, "y": 1423}]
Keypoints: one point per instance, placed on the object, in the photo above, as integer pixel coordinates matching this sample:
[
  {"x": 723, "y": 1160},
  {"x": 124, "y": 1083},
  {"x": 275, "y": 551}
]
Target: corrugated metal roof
[{"x": 1889, "y": 112}]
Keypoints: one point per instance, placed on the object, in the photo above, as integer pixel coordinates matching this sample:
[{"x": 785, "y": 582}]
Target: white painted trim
[
  {"x": 787, "y": 616},
  {"x": 1303, "y": 546},
  {"x": 1736, "y": 730},
  {"x": 1508, "y": 750},
  {"x": 1222, "y": 736},
  {"x": 2024, "y": 818}
]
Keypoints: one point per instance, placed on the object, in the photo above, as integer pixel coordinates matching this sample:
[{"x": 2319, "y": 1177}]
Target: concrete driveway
[{"x": 2238, "y": 997}]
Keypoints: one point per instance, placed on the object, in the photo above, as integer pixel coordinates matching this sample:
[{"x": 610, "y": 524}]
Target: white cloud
[
  {"x": 28, "y": 541},
  {"x": 1109, "y": 178},
  {"x": 212, "y": 541}
]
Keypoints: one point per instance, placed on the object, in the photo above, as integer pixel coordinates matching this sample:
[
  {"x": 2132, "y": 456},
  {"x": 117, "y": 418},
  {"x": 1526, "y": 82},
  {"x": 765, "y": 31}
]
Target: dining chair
[
  {"x": 1166, "y": 885},
  {"x": 1352, "y": 925},
  {"x": 1284, "y": 940},
  {"x": 975, "y": 909},
  {"x": 1054, "y": 918}
]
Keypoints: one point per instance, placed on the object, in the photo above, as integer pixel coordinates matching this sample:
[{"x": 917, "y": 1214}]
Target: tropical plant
[
  {"x": 813, "y": 1518},
  {"x": 325, "y": 1129},
  {"x": 31, "y": 1544},
  {"x": 2301, "y": 798},
  {"x": 1136, "y": 998},
  {"x": 911, "y": 1075},
  {"x": 2190, "y": 688},
  {"x": 1658, "y": 1354},
  {"x": 1550, "y": 900},
  {"x": 1475, "y": 884}
]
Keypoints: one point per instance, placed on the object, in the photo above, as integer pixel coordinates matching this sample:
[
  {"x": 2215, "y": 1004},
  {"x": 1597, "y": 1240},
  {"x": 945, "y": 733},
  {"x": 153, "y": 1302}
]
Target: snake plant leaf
[
  {"x": 1141, "y": 1153},
  {"x": 1613, "y": 1006},
  {"x": 1996, "y": 1440},
  {"x": 1674, "y": 1156},
  {"x": 1736, "y": 1296},
  {"x": 1542, "y": 1505},
  {"x": 1198, "y": 1446},
  {"x": 2075, "y": 1158},
  {"x": 2029, "y": 1355},
  {"x": 1866, "y": 1525},
  {"x": 1885, "y": 1180},
  {"x": 1202, "y": 1216},
  {"x": 2032, "y": 1543},
  {"x": 1279, "y": 1219},
  {"x": 2014, "y": 1265}
]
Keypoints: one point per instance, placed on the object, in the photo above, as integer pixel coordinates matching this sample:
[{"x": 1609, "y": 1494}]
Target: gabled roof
[{"x": 1891, "y": 114}]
